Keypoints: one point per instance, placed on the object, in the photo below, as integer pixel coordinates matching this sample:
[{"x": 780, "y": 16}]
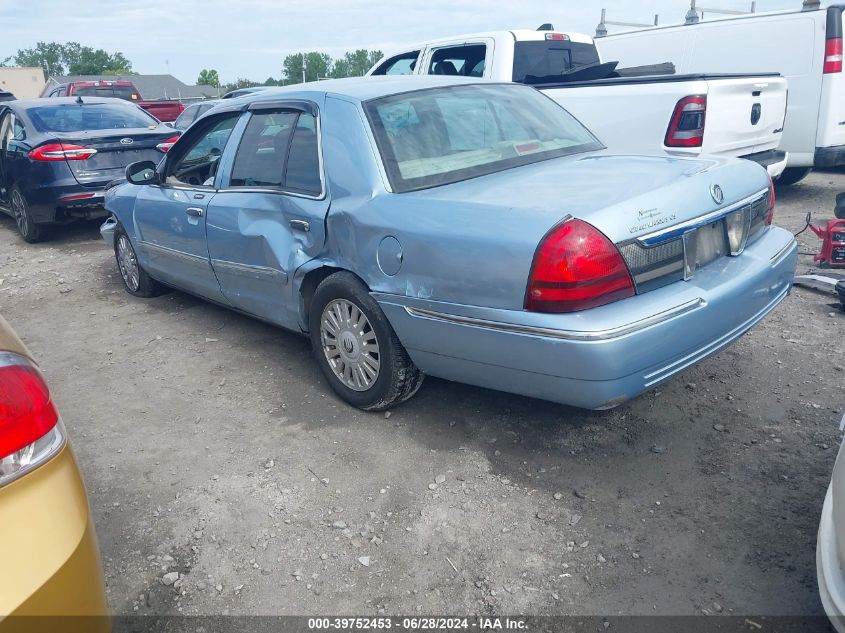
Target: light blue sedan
[{"x": 472, "y": 231}]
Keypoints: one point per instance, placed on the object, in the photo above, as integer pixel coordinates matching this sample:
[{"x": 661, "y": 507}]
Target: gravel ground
[{"x": 225, "y": 477}]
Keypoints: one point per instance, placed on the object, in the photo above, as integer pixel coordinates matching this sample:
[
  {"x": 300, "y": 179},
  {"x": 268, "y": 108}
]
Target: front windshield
[{"x": 442, "y": 135}]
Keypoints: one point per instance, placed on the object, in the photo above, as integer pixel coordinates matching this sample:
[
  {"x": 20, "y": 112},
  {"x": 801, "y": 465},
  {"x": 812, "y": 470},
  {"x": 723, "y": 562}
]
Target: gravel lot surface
[{"x": 225, "y": 477}]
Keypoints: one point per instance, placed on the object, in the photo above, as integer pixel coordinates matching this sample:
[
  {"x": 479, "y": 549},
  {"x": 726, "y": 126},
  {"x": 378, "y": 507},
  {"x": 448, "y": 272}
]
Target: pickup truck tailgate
[{"x": 744, "y": 115}]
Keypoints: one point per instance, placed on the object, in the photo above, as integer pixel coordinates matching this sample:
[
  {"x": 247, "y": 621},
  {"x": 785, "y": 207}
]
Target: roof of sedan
[
  {"x": 359, "y": 88},
  {"x": 35, "y": 103}
]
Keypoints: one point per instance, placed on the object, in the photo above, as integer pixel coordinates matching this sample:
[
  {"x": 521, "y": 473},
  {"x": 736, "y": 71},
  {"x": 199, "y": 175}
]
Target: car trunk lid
[{"x": 115, "y": 150}]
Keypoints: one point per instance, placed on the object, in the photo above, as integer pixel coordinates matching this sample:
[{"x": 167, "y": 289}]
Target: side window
[
  {"x": 466, "y": 60},
  {"x": 279, "y": 150},
  {"x": 19, "y": 133},
  {"x": 302, "y": 172},
  {"x": 403, "y": 64},
  {"x": 196, "y": 163},
  {"x": 186, "y": 118},
  {"x": 61, "y": 92},
  {"x": 260, "y": 161}
]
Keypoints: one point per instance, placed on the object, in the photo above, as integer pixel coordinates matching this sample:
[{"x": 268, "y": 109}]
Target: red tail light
[
  {"x": 165, "y": 145},
  {"x": 833, "y": 56},
  {"x": 557, "y": 37},
  {"x": 61, "y": 151},
  {"x": 576, "y": 267},
  {"x": 770, "y": 214},
  {"x": 26, "y": 411},
  {"x": 686, "y": 127}
]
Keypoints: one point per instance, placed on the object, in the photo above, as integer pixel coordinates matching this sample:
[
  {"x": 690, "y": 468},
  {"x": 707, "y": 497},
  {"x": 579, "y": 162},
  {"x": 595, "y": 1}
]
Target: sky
[{"x": 250, "y": 38}]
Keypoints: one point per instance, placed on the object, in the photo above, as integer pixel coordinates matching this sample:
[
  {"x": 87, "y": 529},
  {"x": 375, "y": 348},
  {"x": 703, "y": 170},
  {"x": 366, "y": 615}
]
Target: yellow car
[{"x": 49, "y": 562}]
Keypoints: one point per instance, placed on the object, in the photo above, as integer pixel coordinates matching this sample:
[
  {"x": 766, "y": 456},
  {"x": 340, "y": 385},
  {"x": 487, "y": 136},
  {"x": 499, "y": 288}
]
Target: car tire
[
  {"x": 29, "y": 230},
  {"x": 792, "y": 175},
  {"x": 344, "y": 320},
  {"x": 136, "y": 281}
]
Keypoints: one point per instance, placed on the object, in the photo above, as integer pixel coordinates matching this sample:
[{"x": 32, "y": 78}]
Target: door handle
[
  {"x": 300, "y": 225},
  {"x": 195, "y": 212}
]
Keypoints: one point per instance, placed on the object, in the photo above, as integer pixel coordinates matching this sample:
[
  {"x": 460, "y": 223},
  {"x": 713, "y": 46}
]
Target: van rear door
[
  {"x": 745, "y": 115},
  {"x": 830, "y": 134}
]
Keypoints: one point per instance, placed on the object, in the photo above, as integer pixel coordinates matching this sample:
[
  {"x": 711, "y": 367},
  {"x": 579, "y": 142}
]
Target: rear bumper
[
  {"x": 829, "y": 157},
  {"x": 599, "y": 358},
  {"x": 63, "y": 202},
  {"x": 773, "y": 160},
  {"x": 828, "y": 570},
  {"x": 48, "y": 547}
]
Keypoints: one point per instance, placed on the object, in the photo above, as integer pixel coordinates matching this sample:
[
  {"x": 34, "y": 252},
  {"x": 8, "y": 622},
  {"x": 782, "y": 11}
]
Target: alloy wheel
[
  {"x": 128, "y": 263},
  {"x": 350, "y": 344}
]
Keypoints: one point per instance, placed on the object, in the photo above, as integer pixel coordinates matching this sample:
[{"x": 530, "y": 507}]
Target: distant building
[
  {"x": 24, "y": 83},
  {"x": 151, "y": 87}
]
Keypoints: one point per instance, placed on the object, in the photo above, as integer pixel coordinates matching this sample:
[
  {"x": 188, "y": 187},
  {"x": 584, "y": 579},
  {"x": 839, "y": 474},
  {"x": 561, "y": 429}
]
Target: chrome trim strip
[
  {"x": 567, "y": 335},
  {"x": 678, "y": 230},
  {"x": 778, "y": 257},
  {"x": 164, "y": 250},
  {"x": 249, "y": 270}
]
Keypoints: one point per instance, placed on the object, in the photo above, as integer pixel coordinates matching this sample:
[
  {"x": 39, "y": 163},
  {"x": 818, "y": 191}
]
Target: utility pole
[{"x": 303, "y": 67}]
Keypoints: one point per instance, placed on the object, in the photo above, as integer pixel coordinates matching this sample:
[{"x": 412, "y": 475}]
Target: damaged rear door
[{"x": 268, "y": 218}]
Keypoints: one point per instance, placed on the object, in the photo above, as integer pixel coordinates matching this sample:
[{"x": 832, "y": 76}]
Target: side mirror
[
  {"x": 142, "y": 173},
  {"x": 839, "y": 211}
]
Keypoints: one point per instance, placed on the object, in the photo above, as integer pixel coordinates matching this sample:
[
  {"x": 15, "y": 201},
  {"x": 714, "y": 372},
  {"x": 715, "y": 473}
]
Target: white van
[{"x": 803, "y": 45}]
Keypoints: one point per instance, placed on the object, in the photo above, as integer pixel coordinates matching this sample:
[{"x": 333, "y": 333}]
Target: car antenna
[
  {"x": 546, "y": 26},
  {"x": 79, "y": 99}
]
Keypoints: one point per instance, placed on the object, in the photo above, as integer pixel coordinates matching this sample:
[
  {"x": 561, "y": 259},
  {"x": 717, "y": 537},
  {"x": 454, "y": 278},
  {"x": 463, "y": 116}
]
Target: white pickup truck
[{"x": 726, "y": 115}]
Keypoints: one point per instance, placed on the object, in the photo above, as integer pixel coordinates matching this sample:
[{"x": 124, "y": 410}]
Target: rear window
[
  {"x": 439, "y": 136},
  {"x": 547, "y": 61},
  {"x": 127, "y": 93},
  {"x": 72, "y": 117}
]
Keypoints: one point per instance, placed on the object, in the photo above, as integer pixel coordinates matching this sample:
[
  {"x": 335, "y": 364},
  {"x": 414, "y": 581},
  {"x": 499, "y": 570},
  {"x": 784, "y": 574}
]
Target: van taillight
[
  {"x": 30, "y": 432},
  {"x": 833, "y": 55},
  {"x": 576, "y": 267},
  {"x": 61, "y": 151},
  {"x": 686, "y": 127}
]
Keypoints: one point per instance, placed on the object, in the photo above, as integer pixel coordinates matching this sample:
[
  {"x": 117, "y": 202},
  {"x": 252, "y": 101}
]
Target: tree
[
  {"x": 240, "y": 82},
  {"x": 208, "y": 78},
  {"x": 355, "y": 63},
  {"x": 48, "y": 55},
  {"x": 71, "y": 57},
  {"x": 270, "y": 81},
  {"x": 317, "y": 66},
  {"x": 87, "y": 61}
]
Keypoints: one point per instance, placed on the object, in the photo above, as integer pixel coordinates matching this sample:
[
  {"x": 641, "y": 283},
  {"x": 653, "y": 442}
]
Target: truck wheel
[
  {"x": 357, "y": 349},
  {"x": 27, "y": 227},
  {"x": 136, "y": 281},
  {"x": 792, "y": 175}
]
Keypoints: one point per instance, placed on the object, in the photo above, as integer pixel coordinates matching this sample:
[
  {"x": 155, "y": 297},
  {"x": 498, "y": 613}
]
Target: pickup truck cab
[
  {"x": 803, "y": 45},
  {"x": 727, "y": 114},
  {"x": 165, "y": 111}
]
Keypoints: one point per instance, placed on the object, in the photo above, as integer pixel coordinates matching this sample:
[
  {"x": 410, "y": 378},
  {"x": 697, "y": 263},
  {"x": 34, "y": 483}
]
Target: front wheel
[
  {"x": 357, "y": 349},
  {"x": 136, "y": 281}
]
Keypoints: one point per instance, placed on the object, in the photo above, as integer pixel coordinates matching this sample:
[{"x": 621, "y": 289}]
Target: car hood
[{"x": 624, "y": 196}]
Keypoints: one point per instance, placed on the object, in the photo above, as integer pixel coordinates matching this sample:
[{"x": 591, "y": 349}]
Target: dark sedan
[{"x": 57, "y": 155}]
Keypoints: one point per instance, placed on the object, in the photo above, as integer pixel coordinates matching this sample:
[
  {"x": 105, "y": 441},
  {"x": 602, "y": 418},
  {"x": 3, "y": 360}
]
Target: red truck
[{"x": 165, "y": 111}]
